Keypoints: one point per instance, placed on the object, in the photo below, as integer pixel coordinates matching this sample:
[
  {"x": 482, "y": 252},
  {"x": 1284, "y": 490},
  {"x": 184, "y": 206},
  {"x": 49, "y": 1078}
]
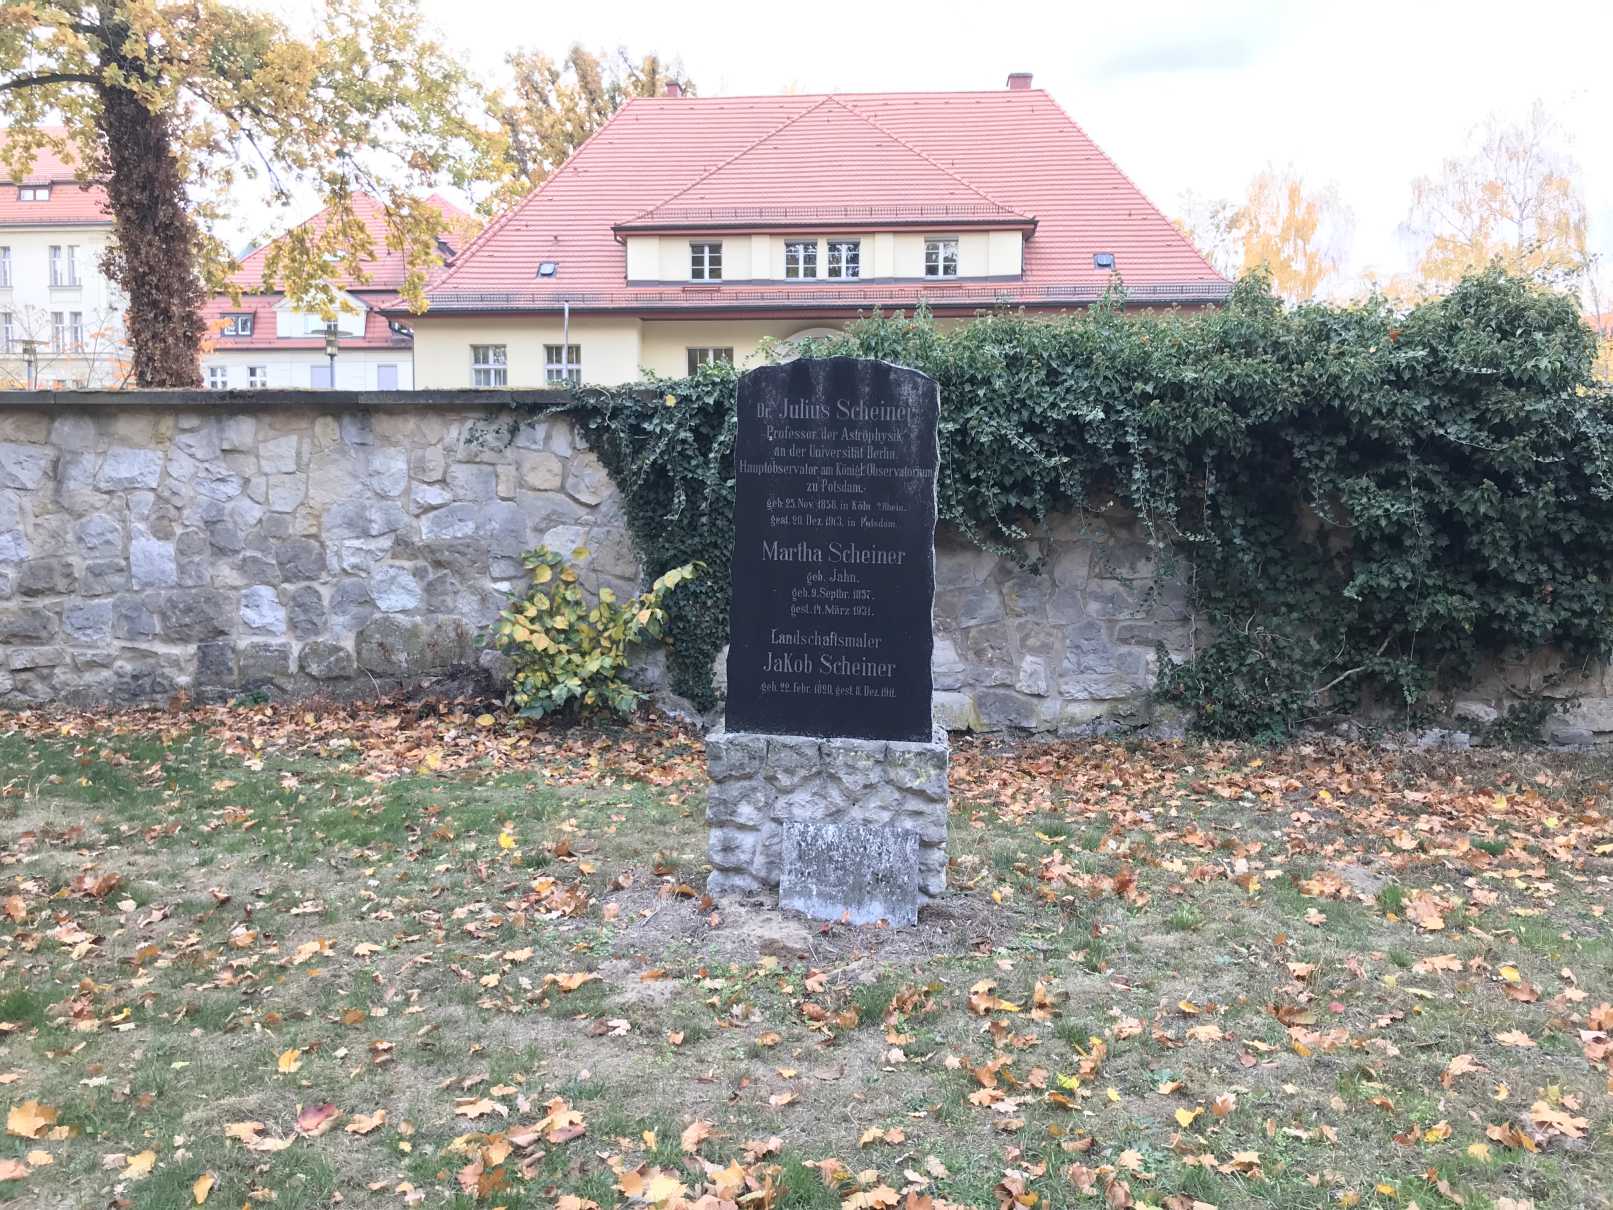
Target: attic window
[
  {"x": 238, "y": 325},
  {"x": 33, "y": 193},
  {"x": 1103, "y": 260},
  {"x": 548, "y": 268}
]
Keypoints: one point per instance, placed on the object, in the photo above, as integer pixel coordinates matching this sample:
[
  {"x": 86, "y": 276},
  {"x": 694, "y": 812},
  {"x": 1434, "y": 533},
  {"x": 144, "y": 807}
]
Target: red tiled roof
[
  {"x": 377, "y": 331},
  {"x": 387, "y": 269},
  {"x": 807, "y": 170},
  {"x": 71, "y": 201},
  {"x": 1006, "y": 157}
]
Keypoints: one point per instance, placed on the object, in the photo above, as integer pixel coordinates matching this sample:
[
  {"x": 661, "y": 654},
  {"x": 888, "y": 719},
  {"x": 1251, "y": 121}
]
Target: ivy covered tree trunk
[{"x": 154, "y": 257}]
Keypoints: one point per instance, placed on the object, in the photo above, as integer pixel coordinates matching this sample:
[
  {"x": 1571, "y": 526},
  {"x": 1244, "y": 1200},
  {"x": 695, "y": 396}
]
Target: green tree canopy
[{"x": 554, "y": 107}]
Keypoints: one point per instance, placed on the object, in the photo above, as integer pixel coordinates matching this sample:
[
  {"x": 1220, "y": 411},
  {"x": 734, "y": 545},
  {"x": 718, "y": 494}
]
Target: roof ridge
[
  {"x": 743, "y": 151},
  {"x": 889, "y": 134},
  {"x": 500, "y": 221},
  {"x": 1125, "y": 176}
]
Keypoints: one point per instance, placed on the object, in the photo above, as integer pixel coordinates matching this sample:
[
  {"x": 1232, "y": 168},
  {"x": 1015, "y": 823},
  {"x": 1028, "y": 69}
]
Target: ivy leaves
[{"x": 1370, "y": 499}]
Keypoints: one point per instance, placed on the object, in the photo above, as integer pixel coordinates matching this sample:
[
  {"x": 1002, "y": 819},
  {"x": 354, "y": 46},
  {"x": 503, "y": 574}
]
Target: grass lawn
[{"x": 402, "y": 954}]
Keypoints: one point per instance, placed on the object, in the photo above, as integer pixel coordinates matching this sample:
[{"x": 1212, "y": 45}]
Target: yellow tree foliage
[
  {"x": 1513, "y": 199},
  {"x": 1295, "y": 234},
  {"x": 175, "y": 104},
  {"x": 554, "y": 107}
]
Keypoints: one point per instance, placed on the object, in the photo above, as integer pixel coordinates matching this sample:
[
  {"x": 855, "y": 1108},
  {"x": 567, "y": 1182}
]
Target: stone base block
[{"x": 760, "y": 781}]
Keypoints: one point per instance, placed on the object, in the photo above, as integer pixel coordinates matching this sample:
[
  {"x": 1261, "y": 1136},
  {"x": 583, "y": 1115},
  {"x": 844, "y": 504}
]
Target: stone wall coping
[
  {"x": 938, "y": 739},
  {"x": 327, "y": 401}
]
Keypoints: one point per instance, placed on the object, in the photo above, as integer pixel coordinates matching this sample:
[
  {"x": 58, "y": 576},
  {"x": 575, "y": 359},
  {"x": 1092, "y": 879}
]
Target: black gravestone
[{"x": 834, "y": 550}]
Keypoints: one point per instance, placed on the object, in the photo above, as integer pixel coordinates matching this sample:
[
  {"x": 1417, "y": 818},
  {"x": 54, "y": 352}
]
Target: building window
[
  {"x": 710, "y": 356},
  {"x": 218, "y": 378},
  {"x": 64, "y": 264},
  {"x": 705, "y": 262},
  {"x": 321, "y": 378},
  {"x": 5, "y": 268},
  {"x": 940, "y": 258},
  {"x": 75, "y": 331},
  {"x": 845, "y": 258},
  {"x": 8, "y": 332},
  {"x": 257, "y": 377},
  {"x": 562, "y": 363},
  {"x": 238, "y": 325},
  {"x": 386, "y": 378},
  {"x": 801, "y": 258},
  {"x": 33, "y": 193},
  {"x": 58, "y": 332},
  {"x": 489, "y": 367}
]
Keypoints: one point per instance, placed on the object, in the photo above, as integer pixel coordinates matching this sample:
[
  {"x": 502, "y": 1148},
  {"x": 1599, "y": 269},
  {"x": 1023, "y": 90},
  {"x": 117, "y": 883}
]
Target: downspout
[{"x": 565, "y": 340}]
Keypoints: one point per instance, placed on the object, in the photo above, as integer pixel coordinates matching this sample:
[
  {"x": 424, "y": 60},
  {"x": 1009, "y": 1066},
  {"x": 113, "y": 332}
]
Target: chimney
[
  {"x": 1019, "y": 81},
  {"x": 674, "y": 89}
]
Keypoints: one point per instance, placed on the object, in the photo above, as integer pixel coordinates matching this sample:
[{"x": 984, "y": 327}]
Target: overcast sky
[{"x": 1199, "y": 96}]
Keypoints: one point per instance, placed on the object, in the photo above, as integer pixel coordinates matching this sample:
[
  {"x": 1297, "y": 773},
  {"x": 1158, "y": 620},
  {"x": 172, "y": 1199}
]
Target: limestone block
[
  {"x": 428, "y": 465},
  {"x": 25, "y": 624},
  {"x": 472, "y": 481},
  {"x": 395, "y": 589},
  {"x": 46, "y": 578},
  {"x": 955, "y": 711},
  {"x": 300, "y": 559},
  {"x": 734, "y": 757},
  {"x": 791, "y": 760},
  {"x": 540, "y": 470},
  {"x": 305, "y": 612},
  {"x": 88, "y": 621},
  {"x": 586, "y": 479},
  {"x": 193, "y": 614},
  {"x": 278, "y": 456},
  {"x": 262, "y": 611},
  {"x": 25, "y": 466},
  {"x": 238, "y": 433},
  {"x": 946, "y": 669},
  {"x": 124, "y": 468},
  {"x": 99, "y": 535},
  {"x": 152, "y": 562},
  {"x": 259, "y": 662},
  {"x": 103, "y": 576},
  {"x": 29, "y": 427},
  {"x": 325, "y": 661},
  {"x": 72, "y": 431}
]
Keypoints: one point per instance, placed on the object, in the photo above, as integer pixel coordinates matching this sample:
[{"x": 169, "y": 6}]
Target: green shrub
[
  {"x": 567, "y": 655},
  {"x": 1363, "y": 498}
]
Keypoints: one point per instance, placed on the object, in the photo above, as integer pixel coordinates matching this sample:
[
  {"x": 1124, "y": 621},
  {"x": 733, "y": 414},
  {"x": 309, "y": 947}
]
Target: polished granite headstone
[
  {"x": 829, "y": 782},
  {"x": 834, "y": 550}
]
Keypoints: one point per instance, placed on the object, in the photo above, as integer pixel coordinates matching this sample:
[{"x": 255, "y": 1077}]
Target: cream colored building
[
  {"x": 61, "y": 319},
  {"x": 696, "y": 229}
]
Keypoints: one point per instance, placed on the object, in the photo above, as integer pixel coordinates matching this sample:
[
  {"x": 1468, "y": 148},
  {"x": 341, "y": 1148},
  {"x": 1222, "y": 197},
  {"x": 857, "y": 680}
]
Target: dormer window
[
  {"x": 940, "y": 258},
  {"x": 33, "y": 193},
  {"x": 705, "y": 262},
  {"x": 801, "y": 258},
  {"x": 237, "y": 325}
]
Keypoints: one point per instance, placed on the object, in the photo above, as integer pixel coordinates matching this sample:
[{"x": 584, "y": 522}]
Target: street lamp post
[
  {"x": 332, "y": 343},
  {"x": 30, "y": 359}
]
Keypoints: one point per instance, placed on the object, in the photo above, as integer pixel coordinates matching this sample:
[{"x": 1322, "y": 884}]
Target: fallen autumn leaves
[{"x": 411, "y": 954}]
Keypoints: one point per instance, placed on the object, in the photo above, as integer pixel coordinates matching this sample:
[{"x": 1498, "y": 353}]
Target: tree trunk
[{"x": 154, "y": 257}]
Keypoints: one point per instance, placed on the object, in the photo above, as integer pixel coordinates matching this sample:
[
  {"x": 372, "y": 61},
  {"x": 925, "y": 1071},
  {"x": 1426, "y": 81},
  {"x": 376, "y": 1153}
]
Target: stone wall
[
  {"x": 305, "y": 542},
  {"x": 275, "y": 544}
]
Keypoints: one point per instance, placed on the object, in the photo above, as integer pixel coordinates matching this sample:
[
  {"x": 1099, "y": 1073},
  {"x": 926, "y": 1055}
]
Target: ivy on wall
[{"x": 1371, "y": 500}]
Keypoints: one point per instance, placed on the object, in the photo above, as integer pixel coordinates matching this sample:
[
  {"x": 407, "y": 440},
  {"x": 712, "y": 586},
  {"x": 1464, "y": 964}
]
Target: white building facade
[{"x": 61, "y": 319}]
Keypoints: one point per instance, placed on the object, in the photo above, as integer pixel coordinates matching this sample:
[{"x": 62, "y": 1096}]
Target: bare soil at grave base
[{"x": 415, "y": 953}]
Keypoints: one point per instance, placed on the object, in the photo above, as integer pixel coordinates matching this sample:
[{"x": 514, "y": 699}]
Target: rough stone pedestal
[{"x": 760, "y": 781}]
